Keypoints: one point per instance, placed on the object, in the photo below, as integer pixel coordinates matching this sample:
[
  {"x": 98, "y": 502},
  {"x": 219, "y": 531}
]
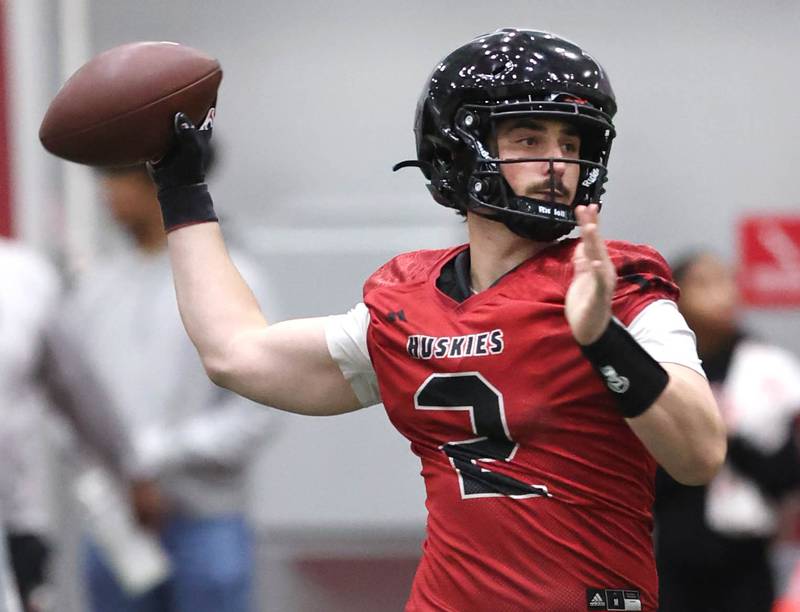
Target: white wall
[
  {"x": 317, "y": 103},
  {"x": 318, "y": 99}
]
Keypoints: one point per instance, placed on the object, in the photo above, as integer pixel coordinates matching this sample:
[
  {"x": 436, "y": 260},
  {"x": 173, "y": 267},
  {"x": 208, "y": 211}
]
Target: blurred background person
[
  {"x": 712, "y": 542},
  {"x": 192, "y": 442},
  {"x": 41, "y": 368},
  {"x": 29, "y": 293}
]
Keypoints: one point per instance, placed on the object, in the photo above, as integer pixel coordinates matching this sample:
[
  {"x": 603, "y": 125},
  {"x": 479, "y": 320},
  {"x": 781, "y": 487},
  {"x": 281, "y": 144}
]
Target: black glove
[
  {"x": 185, "y": 162},
  {"x": 181, "y": 173}
]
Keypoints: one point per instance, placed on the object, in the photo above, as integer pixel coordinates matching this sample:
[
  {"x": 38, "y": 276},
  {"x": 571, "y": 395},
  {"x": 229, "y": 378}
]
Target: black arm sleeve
[
  {"x": 776, "y": 474},
  {"x": 28, "y": 555}
]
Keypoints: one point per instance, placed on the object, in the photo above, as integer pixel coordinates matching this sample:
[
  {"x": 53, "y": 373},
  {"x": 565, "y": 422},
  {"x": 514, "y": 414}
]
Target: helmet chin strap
[
  {"x": 525, "y": 225},
  {"x": 535, "y": 229},
  {"x": 520, "y": 217}
]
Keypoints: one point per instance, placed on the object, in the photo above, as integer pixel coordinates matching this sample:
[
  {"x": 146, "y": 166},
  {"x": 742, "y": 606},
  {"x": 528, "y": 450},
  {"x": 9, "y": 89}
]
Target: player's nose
[
  {"x": 556, "y": 165},
  {"x": 554, "y": 152}
]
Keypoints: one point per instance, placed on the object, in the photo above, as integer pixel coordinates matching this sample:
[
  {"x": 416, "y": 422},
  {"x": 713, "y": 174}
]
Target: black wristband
[
  {"x": 635, "y": 378},
  {"x": 186, "y": 205}
]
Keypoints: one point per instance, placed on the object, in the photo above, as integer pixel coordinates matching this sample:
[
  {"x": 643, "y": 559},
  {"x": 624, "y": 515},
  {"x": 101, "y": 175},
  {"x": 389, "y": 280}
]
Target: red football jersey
[{"x": 538, "y": 493}]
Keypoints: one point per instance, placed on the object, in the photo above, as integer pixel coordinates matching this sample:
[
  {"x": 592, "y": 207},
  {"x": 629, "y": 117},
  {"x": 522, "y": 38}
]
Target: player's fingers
[
  {"x": 579, "y": 261},
  {"x": 188, "y": 135},
  {"x": 208, "y": 122},
  {"x": 579, "y": 253},
  {"x": 593, "y": 244},
  {"x": 582, "y": 266},
  {"x": 586, "y": 214},
  {"x": 580, "y": 215},
  {"x": 186, "y": 139},
  {"x": 182, "y": 123},
  {"x": 590, "y": 236},
  {"x": 601, "y": 278}
]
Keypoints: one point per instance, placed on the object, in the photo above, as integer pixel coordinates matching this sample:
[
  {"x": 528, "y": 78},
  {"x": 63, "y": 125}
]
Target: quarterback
[{"x": 539, "y": 378}]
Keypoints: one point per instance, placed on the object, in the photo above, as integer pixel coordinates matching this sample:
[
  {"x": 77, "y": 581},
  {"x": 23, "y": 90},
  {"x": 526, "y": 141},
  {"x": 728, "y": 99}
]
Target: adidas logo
[{"x": 613, "y": 599}]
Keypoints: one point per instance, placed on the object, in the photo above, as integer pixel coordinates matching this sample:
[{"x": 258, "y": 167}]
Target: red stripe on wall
[{"x": 5, "y": 132}]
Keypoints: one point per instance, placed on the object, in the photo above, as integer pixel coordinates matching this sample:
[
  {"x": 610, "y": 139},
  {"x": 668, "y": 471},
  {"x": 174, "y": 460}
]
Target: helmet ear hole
[
  {"x": 468, "y": 120},
  {"x": 482, "y": 188},
  {"x": 444, "y": 172}
]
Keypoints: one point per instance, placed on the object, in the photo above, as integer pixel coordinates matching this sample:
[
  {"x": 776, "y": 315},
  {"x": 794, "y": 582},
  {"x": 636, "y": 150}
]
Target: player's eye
[
  {"x": 570, "y": 147},
  {"x": 529, "y": 141}
]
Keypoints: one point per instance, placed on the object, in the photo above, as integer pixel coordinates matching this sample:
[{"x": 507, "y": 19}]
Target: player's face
[
  {"x": 528, "y": 137},
  {"x": 709, "y": 295}
]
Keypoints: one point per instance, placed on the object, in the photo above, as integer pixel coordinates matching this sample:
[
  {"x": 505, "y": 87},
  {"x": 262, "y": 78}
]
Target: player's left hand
[{"x": 588, "y": 302}]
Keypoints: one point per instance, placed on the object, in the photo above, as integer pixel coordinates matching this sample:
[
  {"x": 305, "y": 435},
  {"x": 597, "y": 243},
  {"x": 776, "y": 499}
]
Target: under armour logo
[
  {"x": 615, "y": 382},
  {"x": 394, "y": 316}
]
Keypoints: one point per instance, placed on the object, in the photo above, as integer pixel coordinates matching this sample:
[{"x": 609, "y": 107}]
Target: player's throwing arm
[{"x": 269, "y": 364}]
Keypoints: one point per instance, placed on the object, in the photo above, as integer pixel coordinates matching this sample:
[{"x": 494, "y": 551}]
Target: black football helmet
[{"x": 512, "y": 73}]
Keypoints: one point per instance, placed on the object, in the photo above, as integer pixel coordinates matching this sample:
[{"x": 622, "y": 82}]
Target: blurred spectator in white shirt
[{"x": 192, "y": 441}]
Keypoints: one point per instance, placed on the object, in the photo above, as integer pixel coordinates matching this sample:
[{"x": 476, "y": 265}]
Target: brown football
[{"x": 118, "y": 108}]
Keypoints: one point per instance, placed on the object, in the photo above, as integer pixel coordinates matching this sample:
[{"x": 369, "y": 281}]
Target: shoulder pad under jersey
[{"x": 407, "y": 268}]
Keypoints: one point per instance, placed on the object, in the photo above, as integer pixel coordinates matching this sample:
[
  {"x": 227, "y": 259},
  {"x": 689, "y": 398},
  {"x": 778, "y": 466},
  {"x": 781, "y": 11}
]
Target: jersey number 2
[{"x": 472, "y": 393}]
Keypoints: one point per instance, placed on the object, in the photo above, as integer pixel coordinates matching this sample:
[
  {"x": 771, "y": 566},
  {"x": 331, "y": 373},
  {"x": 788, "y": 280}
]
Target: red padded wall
[{"x": 5, "y": 132}]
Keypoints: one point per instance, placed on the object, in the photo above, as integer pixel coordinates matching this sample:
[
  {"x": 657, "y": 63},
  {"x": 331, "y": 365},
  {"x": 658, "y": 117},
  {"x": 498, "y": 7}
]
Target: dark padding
[{"x": 630, "y": 373}]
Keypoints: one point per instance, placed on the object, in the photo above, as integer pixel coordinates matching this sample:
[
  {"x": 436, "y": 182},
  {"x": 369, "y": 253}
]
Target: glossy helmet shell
[{"x": 510, "y": 71}]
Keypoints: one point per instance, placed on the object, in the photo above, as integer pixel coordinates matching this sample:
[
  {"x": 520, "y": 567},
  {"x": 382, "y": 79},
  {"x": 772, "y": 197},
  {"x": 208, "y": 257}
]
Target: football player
[{"x": 540, "y": 379}]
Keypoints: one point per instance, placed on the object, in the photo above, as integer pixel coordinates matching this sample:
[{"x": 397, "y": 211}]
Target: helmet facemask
[{"x": 485, "y": 190}]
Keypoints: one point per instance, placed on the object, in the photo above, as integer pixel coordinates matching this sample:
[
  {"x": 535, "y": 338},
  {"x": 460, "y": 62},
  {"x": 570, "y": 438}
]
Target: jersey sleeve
[
  {"x": 643, "y": 277},
  {"x": 346, "y": 336},
  {"x": 663, "y": 332}
]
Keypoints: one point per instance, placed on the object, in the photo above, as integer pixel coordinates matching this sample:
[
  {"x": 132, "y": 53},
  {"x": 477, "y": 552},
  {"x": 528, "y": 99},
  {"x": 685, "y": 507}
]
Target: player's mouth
[{"x": 549, "y": 196}]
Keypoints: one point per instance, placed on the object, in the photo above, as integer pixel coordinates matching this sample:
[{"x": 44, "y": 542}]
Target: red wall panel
[{"x": 5, "y": 132}]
